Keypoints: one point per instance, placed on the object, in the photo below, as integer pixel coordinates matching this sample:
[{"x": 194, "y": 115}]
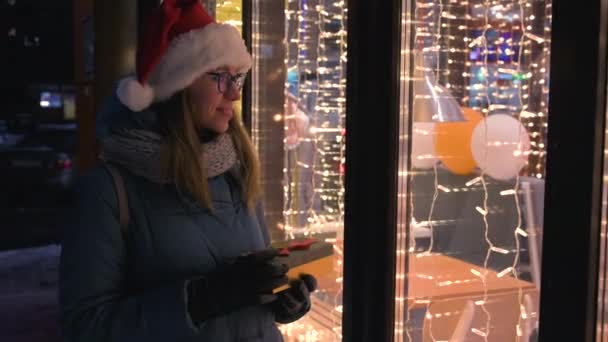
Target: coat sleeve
[
  {"x": 93, "y": 301},
  {"x": 259, "y": 213}
]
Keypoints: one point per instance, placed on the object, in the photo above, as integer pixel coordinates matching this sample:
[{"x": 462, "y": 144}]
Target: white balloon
[
  {"x": 500, "y": 145},
  {"x": 423, "y": 145}
]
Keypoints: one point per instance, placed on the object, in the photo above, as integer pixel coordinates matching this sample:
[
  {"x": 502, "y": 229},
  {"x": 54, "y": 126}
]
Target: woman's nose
[{"x": 232, "y": 93}]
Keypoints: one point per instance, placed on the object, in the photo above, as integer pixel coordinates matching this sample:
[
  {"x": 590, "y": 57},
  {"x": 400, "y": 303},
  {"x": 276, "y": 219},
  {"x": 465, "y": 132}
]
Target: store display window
[
  {"x": 298, "y": 113},
  {"x": 473, "y": 122}
]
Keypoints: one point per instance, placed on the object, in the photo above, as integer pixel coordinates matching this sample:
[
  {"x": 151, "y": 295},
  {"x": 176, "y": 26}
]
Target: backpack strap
[{"x": 121, "y": 195}]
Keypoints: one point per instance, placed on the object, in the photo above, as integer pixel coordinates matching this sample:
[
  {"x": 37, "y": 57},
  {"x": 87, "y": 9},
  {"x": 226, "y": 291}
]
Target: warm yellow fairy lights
[
  {"x": 316, "y": 65},
  {"x": 602, "y": 290},
  {"x": 314, "y": 164},
  {"x": 313, "y": 190},
  {"x": 230, "y": 11},
  {"x": 493, "y": 56}
]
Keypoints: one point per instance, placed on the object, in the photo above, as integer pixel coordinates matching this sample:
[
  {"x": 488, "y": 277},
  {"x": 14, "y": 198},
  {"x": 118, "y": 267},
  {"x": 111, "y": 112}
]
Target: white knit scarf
[{"x": 139, "y": 152}]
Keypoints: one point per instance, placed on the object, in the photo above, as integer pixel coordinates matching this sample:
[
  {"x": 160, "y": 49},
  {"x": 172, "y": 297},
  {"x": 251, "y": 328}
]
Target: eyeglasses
[{"x": 224, "y": 79}]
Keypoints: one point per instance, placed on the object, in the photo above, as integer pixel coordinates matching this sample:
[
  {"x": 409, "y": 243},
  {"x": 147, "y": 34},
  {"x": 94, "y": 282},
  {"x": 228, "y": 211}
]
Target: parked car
[
  {"x": 8, "y": 139},
  {"x": 36, "y": 178}
]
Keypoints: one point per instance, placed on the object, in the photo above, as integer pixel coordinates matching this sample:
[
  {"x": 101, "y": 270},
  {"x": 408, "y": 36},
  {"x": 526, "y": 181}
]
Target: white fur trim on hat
[
  {"x": 192, "y": 53},
  {"x": 134, "y": 95}
]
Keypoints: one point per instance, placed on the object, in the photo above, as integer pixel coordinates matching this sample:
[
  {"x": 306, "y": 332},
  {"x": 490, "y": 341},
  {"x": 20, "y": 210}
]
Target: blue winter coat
[{"x": 115, "y": 289}]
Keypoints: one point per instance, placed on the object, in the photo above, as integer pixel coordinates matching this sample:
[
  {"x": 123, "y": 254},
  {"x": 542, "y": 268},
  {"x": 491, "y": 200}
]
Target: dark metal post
[
  {"x": 372, "y": 131},
  {"x": 571, "y": 230}
]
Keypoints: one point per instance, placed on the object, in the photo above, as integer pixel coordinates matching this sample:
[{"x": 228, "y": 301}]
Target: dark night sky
[{"x": 36, "y": 39}]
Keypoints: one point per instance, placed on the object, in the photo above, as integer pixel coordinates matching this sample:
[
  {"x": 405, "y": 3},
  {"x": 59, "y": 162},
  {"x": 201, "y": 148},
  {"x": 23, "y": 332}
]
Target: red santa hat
[{"x": 181, "y": 42}]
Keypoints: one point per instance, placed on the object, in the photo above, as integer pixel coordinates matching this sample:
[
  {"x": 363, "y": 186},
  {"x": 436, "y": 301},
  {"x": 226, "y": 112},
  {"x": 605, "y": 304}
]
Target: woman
[{"x": 194, "y": 264}]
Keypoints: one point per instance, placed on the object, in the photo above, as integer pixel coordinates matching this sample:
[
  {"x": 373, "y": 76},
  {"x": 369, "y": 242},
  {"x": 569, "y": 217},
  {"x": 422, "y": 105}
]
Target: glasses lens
[
  {"x": 239, "y": 81},
  {"x": 222, "y": 82}
]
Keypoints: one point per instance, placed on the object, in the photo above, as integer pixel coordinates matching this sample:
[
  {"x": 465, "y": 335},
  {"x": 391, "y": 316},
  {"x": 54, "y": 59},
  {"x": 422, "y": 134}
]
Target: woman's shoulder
[
  {"x": 114, "y": 115},
  {"x": 100, "y": 176},
  {"x": 94, "y": 177},
  {"x": 96, "y": 182},
  {"x": 100, "y": 182}
]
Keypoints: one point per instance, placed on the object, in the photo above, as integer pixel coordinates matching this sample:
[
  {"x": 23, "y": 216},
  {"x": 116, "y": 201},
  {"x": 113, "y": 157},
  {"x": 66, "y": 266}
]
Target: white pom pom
[{"x": 134, "y": 95}]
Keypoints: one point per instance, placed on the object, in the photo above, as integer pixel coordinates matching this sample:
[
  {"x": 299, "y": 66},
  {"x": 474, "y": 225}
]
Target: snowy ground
[{"x": 28, "y": 294}]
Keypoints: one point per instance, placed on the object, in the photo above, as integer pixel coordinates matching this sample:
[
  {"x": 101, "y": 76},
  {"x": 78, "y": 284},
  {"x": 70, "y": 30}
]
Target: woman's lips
[{"x": 226, "y": 111}]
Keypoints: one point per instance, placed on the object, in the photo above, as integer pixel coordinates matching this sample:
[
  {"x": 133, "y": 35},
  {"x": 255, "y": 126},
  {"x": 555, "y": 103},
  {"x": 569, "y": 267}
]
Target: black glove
[
  {"x": 240, "y": 282},
  {"x": 293, "y": 303}
]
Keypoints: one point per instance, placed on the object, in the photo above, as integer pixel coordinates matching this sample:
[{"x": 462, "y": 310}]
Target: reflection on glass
[
  {"x": 432, "y": 102},
  {"x": 471, "y": 195},
  {"x": 298, "y": 113}
]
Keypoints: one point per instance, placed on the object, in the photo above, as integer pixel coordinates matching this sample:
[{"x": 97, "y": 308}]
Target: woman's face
[{"x": 212, "y": 108}]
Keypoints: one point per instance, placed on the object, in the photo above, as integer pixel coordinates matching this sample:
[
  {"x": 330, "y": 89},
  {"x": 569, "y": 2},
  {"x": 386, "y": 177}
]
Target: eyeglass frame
[{"x": 237, "y": 80}]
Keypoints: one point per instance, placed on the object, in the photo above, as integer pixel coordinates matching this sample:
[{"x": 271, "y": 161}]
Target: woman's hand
[
  {"x": 293, "y": 303},
  {"x": 240, "y": 282}
]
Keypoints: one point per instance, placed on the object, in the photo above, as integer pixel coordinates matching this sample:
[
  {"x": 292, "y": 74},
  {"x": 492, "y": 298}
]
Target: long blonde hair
[{"x": 180, "y": 155}]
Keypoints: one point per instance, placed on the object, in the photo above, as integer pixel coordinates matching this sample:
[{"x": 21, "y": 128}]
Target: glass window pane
[
  {"x": 473, "y": 120},
  {"x": 298, "y": 114},
  {"x": 602, "y": 316}
]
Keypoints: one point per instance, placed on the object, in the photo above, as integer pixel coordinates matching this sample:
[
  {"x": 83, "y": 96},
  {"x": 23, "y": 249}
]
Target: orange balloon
[{"x": 453, "y": 142}]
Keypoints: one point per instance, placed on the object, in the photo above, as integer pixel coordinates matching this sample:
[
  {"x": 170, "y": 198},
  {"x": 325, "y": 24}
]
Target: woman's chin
[
  {"x": 217, "y": 126},
  {"x": 221, "y": 128}
]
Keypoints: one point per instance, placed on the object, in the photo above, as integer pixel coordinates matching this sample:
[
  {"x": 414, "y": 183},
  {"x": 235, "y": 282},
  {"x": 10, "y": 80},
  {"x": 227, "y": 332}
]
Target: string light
[
  {"x": 230, "y": 12},
  {"x": 602, "y": 290},
  {"x": 452, "y": 33},
  {"x": 403, "y": 304},
  {"x": 316, "y": 53},
  {"x": 329, "y": 96},
  {"x": 314, "y": 161},
  {"x": 313, "y": 85},
  {"x": 492, "y": 56}
]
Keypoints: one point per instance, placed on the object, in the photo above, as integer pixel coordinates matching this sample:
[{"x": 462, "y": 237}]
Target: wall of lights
[
  {"x": 602, "y": 300},
  {"x": 314, "y": 115},
  {"x": 468, "y": 67},
  {"x": 309, "y": 59},
  {"x": 314, "y": 118},
  {"x": 473, "y": 119}
]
